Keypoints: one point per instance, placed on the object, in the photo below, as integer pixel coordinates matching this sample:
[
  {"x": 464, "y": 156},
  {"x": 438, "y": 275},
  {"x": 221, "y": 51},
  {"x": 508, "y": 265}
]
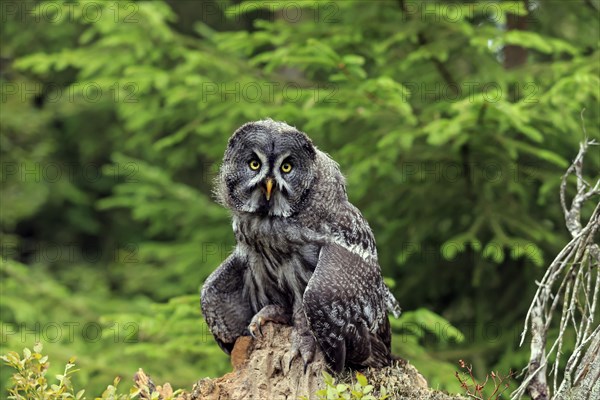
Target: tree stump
[{"x": 262, "y": 370}]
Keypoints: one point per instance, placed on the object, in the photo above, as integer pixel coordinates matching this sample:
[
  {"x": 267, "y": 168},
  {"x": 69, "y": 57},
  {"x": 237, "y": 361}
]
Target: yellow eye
[
  {"x": 254, "y": 165},
  {"x": 286, "y": 167}
]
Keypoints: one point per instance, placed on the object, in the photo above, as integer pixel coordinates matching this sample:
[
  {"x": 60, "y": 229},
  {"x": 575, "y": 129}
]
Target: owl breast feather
[{"x": 281, "y": 260}]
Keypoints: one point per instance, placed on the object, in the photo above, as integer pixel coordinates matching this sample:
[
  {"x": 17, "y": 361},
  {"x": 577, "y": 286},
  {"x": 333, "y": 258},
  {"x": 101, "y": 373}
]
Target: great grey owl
[{"x": 304, "y": 256}]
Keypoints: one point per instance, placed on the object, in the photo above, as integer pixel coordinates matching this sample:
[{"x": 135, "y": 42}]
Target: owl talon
[
  {"x": 290, "y": 362},
  {"x": 256, "y": 327},
  {"x": 305, "y": 348},
  {"x": 303, "y": 344},
  {"x": 270, "y": 313},
  {"x": 309, "y": 350}
]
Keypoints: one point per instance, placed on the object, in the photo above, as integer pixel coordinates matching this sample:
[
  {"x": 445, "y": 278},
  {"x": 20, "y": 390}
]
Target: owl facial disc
[{"x": 268, "y": 170}]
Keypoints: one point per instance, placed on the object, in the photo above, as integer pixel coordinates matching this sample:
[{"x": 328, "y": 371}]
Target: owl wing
[
  {"x": 345, "y": 304},
  {"x": 225, "y": 310}
]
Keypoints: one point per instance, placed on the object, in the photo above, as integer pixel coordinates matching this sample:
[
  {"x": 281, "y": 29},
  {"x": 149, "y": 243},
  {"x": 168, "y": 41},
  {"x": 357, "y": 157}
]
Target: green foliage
[
  {"x": 414, "y": 329},
  {"x": 113, "y": 125},
  {"x": 29, "y": 381},
  {"x": 353, "y": 391}
]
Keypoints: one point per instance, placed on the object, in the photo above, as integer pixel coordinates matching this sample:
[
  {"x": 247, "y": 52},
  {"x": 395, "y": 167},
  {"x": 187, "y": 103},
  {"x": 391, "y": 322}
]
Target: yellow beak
[{"x": 269, "y": 187}]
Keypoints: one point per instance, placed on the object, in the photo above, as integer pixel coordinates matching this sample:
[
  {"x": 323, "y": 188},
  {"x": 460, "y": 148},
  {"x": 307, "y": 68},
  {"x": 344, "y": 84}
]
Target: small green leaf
[
  {"x": 341, "y": 387},
  {"x": 353, "y": 59},
  {"x": 38, "y": 347},
  {"x": 327, "y": 378},
  {"x": 362, "y": 380}
]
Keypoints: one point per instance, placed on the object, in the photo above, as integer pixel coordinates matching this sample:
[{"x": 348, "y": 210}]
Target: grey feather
[{"x": 301, "y": 245}]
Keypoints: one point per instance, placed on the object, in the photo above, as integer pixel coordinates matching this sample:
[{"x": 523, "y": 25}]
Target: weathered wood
[{"x": 262, "y": 370}]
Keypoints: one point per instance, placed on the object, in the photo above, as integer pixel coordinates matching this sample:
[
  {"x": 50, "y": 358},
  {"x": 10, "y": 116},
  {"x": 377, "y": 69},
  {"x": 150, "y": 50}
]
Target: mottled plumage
[{"x": 304, "y": 254}]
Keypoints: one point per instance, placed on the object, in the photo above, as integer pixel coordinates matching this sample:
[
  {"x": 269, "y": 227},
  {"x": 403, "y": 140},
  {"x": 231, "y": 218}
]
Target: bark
[
  {"x": 587, "y": 377},
  {"x": 538, "y": 387},
  {"x": 515, "y": 56}
]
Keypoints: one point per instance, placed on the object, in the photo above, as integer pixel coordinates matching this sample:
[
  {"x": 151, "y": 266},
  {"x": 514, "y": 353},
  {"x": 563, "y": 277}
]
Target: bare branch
[{"x": 573, "y": 277}]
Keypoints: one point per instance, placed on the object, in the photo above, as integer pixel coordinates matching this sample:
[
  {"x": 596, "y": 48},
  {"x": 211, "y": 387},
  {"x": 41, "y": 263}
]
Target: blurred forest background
[{"x": 453, "y": 122}]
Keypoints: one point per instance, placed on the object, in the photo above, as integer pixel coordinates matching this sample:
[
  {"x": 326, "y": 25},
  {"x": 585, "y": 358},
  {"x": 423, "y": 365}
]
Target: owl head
[{"x": 267, "y": 169}]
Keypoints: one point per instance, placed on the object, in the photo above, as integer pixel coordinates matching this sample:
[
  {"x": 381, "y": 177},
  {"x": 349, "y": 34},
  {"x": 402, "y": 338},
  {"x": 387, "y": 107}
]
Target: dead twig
[{"x": 576, "y": 268}]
